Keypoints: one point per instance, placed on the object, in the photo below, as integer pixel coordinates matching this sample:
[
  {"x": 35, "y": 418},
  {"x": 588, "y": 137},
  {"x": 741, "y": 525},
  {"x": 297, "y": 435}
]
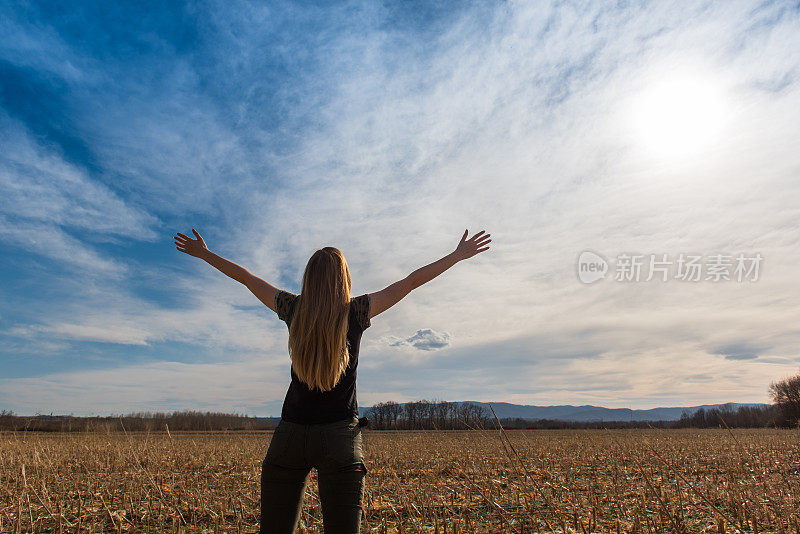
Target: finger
[
  {"x": 180, "y": 240},
  {"x": 482, "y": 242},
  {"x": 463, "y": 237},
  {"x": 478, "y": 234},
  {"x": 182, "y": 249},
  {"x": 184, "y": 236},
  {"x": 196, "y": 234},
  {"x": 482, "y": 249}
]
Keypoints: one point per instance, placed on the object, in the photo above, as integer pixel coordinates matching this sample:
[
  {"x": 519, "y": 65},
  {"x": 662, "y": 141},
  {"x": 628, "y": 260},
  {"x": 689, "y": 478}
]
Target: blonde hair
[{"x": 318, "y": 344}]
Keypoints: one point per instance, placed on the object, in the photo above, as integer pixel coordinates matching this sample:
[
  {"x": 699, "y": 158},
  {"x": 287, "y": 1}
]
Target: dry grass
[{"x": 447, "y": 482}]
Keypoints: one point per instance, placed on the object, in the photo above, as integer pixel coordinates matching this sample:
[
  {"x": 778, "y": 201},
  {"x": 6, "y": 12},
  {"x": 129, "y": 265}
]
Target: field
[{"x": 452, "y": 482}]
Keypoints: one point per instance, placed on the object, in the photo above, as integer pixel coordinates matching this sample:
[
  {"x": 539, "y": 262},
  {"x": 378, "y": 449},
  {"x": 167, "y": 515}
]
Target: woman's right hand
[
  {"x": 192, "y": 247},
  {"x": 469, "y": 247}
]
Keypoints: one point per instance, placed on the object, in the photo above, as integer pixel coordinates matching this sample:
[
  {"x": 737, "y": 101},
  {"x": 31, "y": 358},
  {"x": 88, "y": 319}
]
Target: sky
[{"x": 641, "y": 133}]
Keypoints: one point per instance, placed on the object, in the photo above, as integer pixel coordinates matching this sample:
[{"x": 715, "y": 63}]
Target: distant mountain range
[{"x": 594, "y": 413}]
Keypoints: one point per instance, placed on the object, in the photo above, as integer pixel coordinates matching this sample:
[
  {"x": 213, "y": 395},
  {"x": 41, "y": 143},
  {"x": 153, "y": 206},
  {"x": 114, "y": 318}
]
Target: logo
[{"x": 591, "y": 267}]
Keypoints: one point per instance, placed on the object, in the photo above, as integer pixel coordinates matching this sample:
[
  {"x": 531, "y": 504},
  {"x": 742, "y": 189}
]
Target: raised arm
[
  {"x": 264, "y": 291},
  {"x": 386, "y": 298}
]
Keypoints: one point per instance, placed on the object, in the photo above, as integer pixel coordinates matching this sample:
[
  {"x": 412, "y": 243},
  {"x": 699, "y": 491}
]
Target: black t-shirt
[{"x": 302, "y": 405}]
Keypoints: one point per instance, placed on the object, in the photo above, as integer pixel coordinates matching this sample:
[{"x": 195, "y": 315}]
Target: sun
[{"x": 679, "y": 116}]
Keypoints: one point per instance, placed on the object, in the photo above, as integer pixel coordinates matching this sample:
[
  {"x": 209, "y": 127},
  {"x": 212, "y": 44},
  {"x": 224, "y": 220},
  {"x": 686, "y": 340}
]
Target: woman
[{"x": 319, "y": 425}]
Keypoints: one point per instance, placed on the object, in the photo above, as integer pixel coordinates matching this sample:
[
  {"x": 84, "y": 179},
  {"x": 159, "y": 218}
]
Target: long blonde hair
[{"x": 318, "y": 344}]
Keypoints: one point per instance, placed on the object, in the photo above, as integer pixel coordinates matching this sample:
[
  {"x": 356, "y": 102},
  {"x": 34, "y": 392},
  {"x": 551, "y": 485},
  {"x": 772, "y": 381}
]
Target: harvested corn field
[{"x": 647, "y": 481}]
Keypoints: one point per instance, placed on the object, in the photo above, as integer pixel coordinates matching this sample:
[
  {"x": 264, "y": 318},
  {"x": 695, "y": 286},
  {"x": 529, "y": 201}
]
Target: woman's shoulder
[
  {"x": 284, "y": 304},
  {"x": 359, "y": 308}
]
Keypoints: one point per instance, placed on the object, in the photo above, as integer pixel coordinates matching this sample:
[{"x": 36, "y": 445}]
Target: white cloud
[
  {"x": 52, "y": 242},
  {"x": 106, "y": 333},
  {"x": 156, "y": 386},
  {"x": 424, "y": 339},
  {"x": 224, "y": 315},
  {"x": 39, "y": 186}
]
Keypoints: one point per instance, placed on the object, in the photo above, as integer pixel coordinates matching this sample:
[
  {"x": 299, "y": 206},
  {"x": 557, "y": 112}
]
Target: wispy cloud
[
  {"x": 52, "y": 242},
  {"x": 157, "y": 386},
  {"x": 277, "y": 129}
]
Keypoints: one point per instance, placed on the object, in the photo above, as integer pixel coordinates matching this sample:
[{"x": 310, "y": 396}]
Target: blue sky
[{"x": 385, "y": 130}]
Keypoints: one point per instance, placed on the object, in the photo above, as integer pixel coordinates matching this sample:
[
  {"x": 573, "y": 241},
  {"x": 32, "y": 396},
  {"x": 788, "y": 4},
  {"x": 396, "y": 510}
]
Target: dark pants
[{"x": 334, "y": 449}]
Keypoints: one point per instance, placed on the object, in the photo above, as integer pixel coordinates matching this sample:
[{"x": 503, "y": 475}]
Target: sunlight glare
[{"x": 679, "y": 116}]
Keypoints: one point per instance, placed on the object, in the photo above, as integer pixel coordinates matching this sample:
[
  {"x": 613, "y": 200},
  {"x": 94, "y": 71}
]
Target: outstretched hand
[
  {"x": 192, "y": 247},
  {"x": 469, "y": 247}
]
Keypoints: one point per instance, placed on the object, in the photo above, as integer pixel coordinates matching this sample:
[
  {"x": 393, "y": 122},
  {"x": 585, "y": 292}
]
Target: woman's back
[{"x": 310, "y": 406}]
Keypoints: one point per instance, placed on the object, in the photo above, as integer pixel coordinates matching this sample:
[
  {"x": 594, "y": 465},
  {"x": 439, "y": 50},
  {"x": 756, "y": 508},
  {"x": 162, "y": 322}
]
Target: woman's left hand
[{"x": 192, "y": 247}]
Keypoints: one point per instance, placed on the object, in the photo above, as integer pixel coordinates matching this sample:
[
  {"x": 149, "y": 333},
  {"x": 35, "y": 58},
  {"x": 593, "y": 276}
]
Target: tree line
[
  {"x": 417, "y": 415},
  {"x": 744, "y": 417},
  {"x": 137, "y": 422},
  {"x": 428, "y": 415}
]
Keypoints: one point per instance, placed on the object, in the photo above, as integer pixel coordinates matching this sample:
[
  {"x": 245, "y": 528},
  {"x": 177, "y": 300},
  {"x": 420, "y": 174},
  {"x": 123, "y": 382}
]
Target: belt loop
[{"x": 306, "y": 430}]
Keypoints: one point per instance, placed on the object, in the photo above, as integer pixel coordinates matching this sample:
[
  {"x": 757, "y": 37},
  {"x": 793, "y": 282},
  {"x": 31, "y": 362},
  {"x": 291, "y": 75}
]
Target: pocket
[
  {"x": 279, "y": 444},
  {"x": 342, "y": 443}
]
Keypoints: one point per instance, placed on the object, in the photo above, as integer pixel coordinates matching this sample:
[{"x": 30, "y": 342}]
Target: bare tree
[
  {"x": 393, "y": 413},
  {"x": 786, "y": 395}
]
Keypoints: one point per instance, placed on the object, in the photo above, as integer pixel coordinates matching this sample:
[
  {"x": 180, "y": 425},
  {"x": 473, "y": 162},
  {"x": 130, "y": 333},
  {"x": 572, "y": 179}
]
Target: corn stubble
[{"x": 643, "y": 481}]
